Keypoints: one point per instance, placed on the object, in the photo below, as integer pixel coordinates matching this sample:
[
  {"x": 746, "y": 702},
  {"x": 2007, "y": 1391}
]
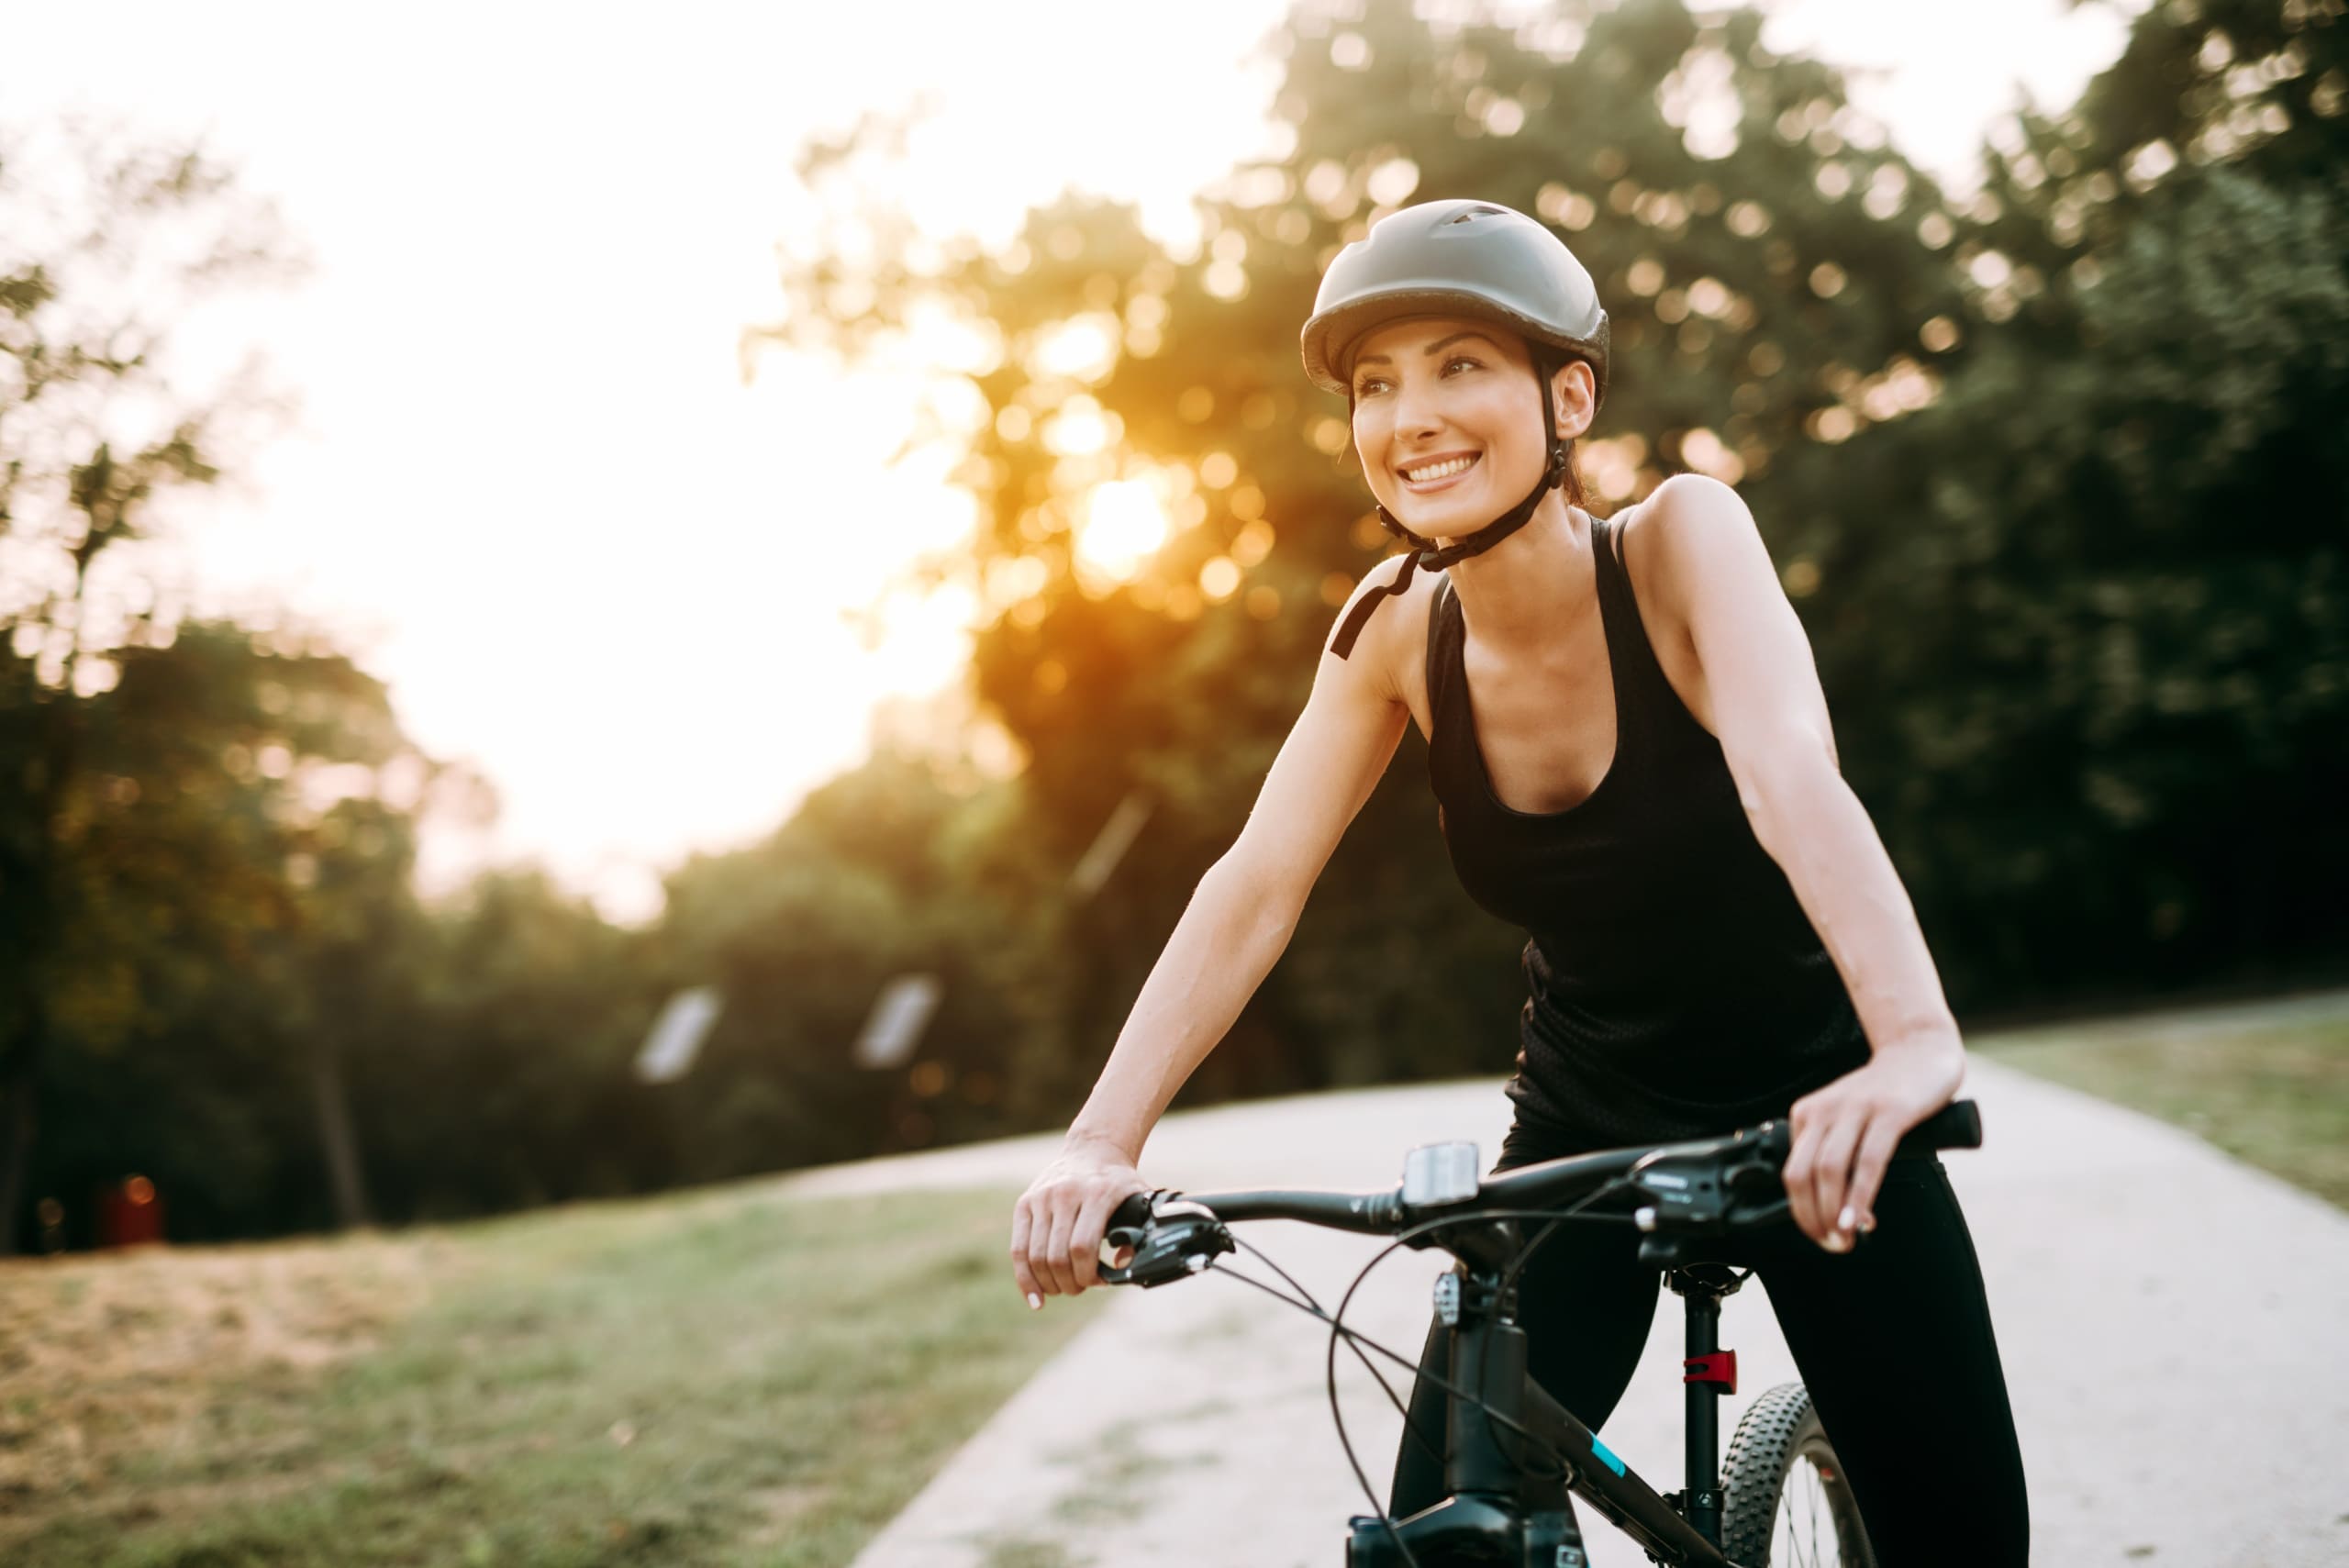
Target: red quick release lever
[{"x": 1720, "y": 1368}]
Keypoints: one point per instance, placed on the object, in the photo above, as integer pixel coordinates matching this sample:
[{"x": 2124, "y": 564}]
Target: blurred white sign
[
  {"x": 897, "y": 1020},
  {"x": 1109, "y": 845},
  {"x": 676, "y": 1035}
]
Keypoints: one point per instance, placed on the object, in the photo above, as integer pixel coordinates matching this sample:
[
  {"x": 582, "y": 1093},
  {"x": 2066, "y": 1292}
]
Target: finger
[
  {"x": 1832, "y": 1174},
  {"x": 1806, "y": 1123},
  {"x": 1020, "y": 1225},
  {"x": 1804, "y": 1114},
  {"x": 1085, "y": 1240},
  {"x": 1123, "y": 1257},
  {"x": 1055, "y": 1255},
  {"x": 1798, "y": 1177},
  {"x": 1868, "y": 1171}
]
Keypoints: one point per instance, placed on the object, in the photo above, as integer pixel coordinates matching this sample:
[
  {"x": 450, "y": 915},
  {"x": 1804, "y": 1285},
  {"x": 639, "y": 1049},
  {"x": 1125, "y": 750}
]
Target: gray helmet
[{"x": 1456, "y": 258}]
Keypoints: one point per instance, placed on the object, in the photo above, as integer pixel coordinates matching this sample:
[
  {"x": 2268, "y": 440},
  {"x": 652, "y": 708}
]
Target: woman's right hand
[{"x": 1057, "y": 1226}]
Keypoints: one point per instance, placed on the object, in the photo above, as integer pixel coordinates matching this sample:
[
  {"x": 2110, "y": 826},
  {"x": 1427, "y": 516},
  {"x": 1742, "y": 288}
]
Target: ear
[{"x": 1573, "y": 395}]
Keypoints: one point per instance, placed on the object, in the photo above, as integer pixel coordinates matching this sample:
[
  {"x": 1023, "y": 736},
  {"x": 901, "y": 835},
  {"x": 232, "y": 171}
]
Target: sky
[{"x": 528, "y": 484}]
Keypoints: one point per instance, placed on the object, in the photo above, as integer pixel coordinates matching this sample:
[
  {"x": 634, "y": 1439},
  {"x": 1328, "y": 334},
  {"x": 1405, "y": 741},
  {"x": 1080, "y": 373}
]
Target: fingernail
[
  {"x": 1035, "y": 1301},
  {"x": 1846, "y": 1219},
  {"x": 1839, "y": 1242},
  {"x": 1867, "y": 1222}
]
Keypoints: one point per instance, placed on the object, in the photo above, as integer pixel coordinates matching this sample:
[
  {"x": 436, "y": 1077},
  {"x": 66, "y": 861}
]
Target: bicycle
[{"x": 1511, "y": 1453}]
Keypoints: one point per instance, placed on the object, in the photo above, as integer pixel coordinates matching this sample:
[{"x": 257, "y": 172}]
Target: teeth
[{"x": 1443, "y": 470}]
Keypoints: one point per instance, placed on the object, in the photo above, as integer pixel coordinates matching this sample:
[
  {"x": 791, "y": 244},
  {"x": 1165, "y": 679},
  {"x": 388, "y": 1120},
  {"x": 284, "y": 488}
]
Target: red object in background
[{"x": 130, "y": 1214}]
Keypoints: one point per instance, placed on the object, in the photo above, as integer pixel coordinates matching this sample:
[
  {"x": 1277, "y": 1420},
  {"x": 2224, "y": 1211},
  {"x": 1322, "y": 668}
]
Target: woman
[{"x": 1645, "y": 780}]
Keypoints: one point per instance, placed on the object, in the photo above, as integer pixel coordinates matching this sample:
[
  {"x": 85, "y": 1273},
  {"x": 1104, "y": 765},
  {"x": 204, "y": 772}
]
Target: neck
[{"x": 1519, "y": 593}]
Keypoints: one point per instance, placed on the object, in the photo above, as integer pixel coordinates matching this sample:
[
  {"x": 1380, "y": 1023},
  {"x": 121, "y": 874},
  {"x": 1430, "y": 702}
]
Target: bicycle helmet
[{"x": 1474, "y": 259}]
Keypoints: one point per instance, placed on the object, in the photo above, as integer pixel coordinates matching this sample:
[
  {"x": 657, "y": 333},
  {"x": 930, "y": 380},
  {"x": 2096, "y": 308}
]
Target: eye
[
  {"x": 1460, "y": 360},
  {"x": 1369, "y": 384}
]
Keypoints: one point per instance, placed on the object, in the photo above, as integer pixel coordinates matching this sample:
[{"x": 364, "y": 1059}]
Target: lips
[{"x": 1435, "y": 472}]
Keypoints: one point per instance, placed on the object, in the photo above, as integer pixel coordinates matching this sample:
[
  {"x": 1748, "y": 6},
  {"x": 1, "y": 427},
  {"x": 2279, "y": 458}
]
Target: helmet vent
[{"x": 1473, "y": 213}]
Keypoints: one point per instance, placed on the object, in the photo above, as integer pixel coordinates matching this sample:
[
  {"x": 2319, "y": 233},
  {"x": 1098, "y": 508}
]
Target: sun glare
[
  {"x": 1085, "y": 348},
  {"x": 1124, "y": 522},
  {"x": 805, "y": 462}
]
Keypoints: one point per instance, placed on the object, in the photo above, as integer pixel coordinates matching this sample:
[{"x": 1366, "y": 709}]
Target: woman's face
[{"x": 1448, "y": 421}]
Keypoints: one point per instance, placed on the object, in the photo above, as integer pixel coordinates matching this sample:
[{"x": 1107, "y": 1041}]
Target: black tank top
[{"x": 1677, "y": 988}]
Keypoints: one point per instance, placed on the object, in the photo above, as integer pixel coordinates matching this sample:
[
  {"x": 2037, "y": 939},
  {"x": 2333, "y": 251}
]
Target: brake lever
[
  {"x": 1679, "y": 1194},
  {"x": 1692, "y": 1201},
  {"x": 1755, "y": 1218},
  {"x": 1177, "y": 1240},
  {"x": 1668, "y": 1242}
]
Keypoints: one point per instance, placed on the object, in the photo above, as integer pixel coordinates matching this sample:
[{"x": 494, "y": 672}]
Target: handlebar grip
[
  {"x": 1957, "y": 1125},
  {"x": 1171, "y": 1239},
  {"x": 1132, "y": 1214},
  {"x": 1128, "y": 1227}
]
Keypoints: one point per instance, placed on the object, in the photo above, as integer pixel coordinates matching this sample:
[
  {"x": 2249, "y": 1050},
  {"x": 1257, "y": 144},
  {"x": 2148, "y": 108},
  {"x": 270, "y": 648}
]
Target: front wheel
[{"x": 1789, "y": 1502}]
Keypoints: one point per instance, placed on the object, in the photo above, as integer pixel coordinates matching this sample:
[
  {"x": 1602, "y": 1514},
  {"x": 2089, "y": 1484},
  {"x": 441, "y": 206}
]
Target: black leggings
[{"x": 1893, "y": 1340}]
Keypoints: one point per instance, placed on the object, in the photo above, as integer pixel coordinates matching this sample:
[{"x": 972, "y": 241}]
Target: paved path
[{"x": 2171, "y": 1322}]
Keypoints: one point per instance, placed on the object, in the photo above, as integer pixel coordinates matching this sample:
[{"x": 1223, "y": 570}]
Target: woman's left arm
[{"x": 1759, "y": 694}]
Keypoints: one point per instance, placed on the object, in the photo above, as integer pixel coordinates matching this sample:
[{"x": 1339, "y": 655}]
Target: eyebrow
[{"x": 1436, "y": 348}]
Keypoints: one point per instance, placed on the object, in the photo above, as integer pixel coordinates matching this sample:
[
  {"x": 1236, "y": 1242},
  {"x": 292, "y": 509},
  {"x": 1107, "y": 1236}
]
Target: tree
[
  {"x": 1769, "y": 263},
  {"x": 2049, "y": 472},
  {"x": 107, "y": 243},
  {"x": 2105, "y": 734},
  {"x": 229, "y": 892},
  {"x": 892, "y": 869}
]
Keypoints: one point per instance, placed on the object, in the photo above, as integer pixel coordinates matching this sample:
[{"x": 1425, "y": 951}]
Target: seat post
[{"x": 1708, "y": 1373}]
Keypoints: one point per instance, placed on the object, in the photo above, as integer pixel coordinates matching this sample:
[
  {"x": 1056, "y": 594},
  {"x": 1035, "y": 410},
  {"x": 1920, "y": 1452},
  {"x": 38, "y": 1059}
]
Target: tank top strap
[
  {"x": 1644, "y": 700},
  {"x": 1452, "y": 765},
  {"x": 1444, "y": 641}
]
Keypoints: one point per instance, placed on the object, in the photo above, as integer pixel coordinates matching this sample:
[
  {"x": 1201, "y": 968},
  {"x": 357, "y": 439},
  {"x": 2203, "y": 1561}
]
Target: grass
[
  {"x": 725, "y": 1378},
  {"x": 2268, "y": 1086},
  {"x": 732, "y": 1377}
]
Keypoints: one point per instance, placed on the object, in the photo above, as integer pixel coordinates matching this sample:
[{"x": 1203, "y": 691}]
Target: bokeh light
[
  {"x": 1125, "y": 522},
  {"x": 683, "y": 211}
]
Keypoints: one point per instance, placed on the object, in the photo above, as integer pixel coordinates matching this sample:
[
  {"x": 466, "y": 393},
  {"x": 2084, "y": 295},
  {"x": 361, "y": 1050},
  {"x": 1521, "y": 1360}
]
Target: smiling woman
[{"x": 1631, "y": 759}]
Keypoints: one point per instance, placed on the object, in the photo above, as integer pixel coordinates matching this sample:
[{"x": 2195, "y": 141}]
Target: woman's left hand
[{"x": 1845, "y": 1132}]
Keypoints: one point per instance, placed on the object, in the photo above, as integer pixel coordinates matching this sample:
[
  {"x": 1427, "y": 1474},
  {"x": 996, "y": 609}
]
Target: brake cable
[
  {"x": 1306, "y": 1302},
  {"x": 1357, "y": 1342},
  {"x": 1555, "y": 1216}
]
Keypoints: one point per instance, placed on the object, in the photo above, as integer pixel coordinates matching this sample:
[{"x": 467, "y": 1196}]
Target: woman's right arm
[{"x": 1236, "y": 925}]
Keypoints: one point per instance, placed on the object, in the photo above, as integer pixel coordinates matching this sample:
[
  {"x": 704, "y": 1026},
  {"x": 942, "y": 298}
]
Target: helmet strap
[{"x": 1436, "y": 558}]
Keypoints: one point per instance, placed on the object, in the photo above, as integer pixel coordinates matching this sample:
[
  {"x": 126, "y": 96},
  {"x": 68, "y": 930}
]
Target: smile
[{"x": 1442, "y": 469}]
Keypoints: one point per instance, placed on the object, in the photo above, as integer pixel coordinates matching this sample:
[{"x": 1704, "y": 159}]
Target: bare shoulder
[
  {"x": 1691, "y": 536},
  {"x": 1391, "y": 651}
]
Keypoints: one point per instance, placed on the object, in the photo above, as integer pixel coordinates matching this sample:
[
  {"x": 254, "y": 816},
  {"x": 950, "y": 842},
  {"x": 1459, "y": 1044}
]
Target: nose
[{"x": 1415, "y": 412}]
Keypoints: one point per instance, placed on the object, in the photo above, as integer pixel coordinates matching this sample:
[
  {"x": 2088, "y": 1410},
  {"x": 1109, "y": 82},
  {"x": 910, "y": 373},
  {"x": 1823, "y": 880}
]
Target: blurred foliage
[
  {"x": 216, "y": 906},
  {"x": 2096, "y": 683},
  {"x": 1747, "y": 286},
  {"x": 885, "y": 872},
  {"x": 2053, "y": 473},
  {"x": 141, "y": 869}
]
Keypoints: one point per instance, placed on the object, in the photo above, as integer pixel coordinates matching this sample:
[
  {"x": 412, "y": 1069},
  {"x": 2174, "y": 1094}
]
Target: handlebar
[{"x": 1699, "y": 1188}]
